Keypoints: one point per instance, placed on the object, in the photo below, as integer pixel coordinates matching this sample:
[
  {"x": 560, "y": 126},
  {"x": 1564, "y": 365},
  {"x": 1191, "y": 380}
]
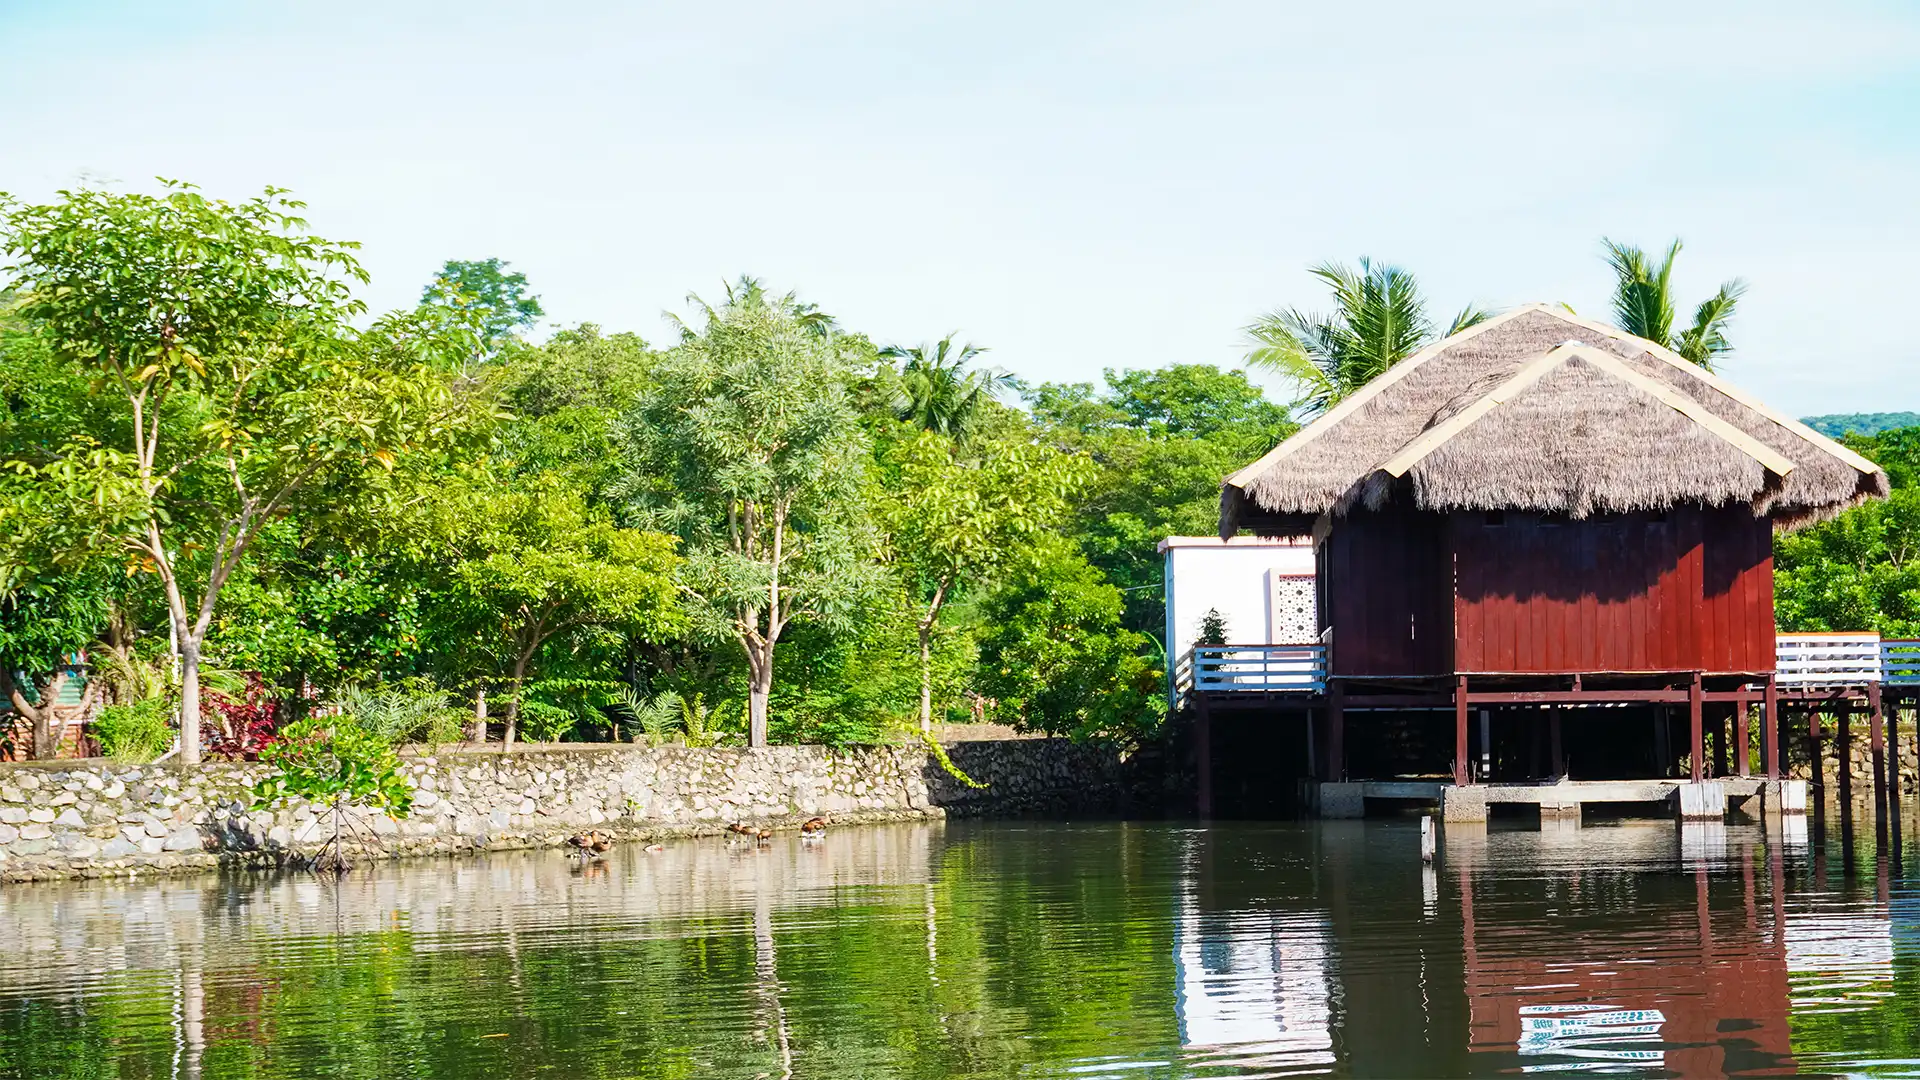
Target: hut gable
[{"x": 1537, "y": 409}]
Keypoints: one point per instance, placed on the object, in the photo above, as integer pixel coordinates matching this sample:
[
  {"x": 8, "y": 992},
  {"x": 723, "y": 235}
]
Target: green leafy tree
[
  {"x": 1161, "y": 439},
  {"x": 1055, "y": 657},
  {"x": 1378, "y": 319},
  {"x": 44, "y": 623},
  {"x": 484, "y": 295},
  {"x": 956, "y": 516},
  {"x": 1861, "y": 570},
  {"x": 748, "y": 447},
  {"x": 529, "y": 563},
  {"x": 939, "y": 391},
  {"x": 220, "y": 331},
  {"x": 1643, "y": 305}
]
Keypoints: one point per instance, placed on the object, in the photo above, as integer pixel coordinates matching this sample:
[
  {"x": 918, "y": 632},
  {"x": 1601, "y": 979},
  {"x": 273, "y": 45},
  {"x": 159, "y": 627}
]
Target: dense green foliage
[
  {"x": 1860, "y": 571},
  {"x": 767, "y": 529},
  {"x": 1835, "y": 425}
]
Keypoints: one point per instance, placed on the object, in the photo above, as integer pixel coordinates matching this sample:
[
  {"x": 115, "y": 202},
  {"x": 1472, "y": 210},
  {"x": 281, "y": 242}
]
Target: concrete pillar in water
[
  {"x": 1704, "y": 800},
  {"x": 1463, "y": 803}
]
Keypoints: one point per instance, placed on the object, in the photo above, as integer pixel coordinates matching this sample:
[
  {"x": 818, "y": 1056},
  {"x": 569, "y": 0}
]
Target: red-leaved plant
[{"x": 239, "y": 728}]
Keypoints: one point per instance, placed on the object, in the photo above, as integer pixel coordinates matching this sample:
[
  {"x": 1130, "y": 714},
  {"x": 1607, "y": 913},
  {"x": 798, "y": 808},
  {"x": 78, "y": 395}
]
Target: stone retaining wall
[{"x": 97, "y": 818}]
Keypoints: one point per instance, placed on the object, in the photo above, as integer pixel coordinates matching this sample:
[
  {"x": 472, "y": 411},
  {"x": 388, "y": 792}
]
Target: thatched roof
[{"x": 1539, "y": 410}]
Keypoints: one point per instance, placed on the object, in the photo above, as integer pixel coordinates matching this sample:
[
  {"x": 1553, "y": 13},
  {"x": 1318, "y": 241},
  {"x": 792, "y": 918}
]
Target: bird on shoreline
[
  {"x": 813, "y": 828},
  {"x": 591, "y": 843}
]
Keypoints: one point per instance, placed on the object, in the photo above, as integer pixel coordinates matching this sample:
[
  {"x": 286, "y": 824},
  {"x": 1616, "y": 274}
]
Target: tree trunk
[
  {"x": 926, "y": 678},
  {"x": 478, "y": 733},
  {"x": 513, "y": 702},
  {"x": 189, "y": 701},
  {"x": 759, "y": 687}
]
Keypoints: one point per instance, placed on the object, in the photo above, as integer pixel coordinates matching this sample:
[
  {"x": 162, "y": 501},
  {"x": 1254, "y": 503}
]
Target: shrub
[
  {"x": 138, "y": 732},
  {"x": 413, "y": 710},
  {"x": 334, "y": 764}
]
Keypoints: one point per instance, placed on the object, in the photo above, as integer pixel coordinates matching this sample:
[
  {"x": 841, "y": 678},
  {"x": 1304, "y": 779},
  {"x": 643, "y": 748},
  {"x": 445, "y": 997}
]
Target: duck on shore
[
  {"x": 740, "y": 829},
  {"x": 591, "y": 843},
  {"x": 813, "y": 828}
]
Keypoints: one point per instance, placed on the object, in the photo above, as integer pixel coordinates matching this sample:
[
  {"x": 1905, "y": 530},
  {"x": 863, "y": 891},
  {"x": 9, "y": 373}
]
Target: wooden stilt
[
  {"x": 1843, "y": 753},
  {"x": 1742, "y": 731},
  {"x": 1556, "y": 749},
  {"x": 1460, "y": 730},
  {"x": 1203, "y": 739},
  {"x": 1817, "y": 775},
  {"x": 1770, "y": 733},
  {"x": 1696, "y": 746},
  {"x": 1877, "y": 747},
  {"x": 1336, "y": 731}
]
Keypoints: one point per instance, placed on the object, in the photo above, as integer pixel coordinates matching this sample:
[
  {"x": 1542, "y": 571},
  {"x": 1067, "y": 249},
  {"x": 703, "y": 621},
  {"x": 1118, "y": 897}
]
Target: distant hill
[{"x": 1835, "y": 425}]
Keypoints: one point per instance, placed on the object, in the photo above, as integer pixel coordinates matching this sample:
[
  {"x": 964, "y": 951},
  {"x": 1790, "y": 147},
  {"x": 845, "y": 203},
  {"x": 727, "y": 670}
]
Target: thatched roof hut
[{"x": 1539, "y": 410}]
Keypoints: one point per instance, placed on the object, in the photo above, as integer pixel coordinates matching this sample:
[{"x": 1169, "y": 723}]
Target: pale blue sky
[{"x": 1076, "y": 185}]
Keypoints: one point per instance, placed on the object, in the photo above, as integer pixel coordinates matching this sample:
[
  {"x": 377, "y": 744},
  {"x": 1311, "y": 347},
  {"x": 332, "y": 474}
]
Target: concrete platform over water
[{"x": 1702, "y": 800}]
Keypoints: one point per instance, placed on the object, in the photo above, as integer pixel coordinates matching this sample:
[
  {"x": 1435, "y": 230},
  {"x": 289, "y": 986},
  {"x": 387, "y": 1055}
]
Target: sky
[{"x": 1077, "y": 186}]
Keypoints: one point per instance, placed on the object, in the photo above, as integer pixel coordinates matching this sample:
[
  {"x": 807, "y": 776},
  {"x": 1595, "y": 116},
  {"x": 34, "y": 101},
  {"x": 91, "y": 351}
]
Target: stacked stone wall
[{"x": 99, "y": 818}]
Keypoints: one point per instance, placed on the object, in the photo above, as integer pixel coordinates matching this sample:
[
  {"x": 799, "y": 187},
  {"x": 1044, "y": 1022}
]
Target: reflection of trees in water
[
  {"x": 917, "y": 950},
  {"x": 933, "y": 951}
]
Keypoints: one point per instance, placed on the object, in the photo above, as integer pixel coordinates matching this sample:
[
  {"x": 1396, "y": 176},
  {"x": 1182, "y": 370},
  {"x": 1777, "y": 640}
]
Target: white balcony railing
[
  {"x": 1801, "y": 661},
  {"x": 1840, "y": 659},
  {"x": 1298, "y": 668}
]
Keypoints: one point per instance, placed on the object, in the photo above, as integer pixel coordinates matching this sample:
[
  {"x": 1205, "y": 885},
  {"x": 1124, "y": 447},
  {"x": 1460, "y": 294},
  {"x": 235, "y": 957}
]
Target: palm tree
[
  {"x": 1379, "y": 319},
  {"x": 1643, "y": 305},
  {"x": 937, "y": 392}
]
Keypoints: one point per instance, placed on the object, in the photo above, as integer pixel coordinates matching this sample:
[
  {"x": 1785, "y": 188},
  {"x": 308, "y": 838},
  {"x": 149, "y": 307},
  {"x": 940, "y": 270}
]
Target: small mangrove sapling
[{"x": 334, "y": 766}]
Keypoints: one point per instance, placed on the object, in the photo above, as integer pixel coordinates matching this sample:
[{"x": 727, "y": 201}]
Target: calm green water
[{"x": 1010, "y": 949}]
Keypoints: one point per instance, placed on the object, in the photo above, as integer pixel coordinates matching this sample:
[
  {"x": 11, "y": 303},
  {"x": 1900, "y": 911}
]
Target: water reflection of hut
[
  {"x": 1617, "y": 977},
  {"x": 1253, "y": 982}
]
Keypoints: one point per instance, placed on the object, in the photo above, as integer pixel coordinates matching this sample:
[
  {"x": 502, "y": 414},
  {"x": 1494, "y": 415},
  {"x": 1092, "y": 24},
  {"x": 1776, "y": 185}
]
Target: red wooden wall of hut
[
  {"x": 1689, "y": 590},
  {"x": 1423, "y": 594},
  {"x": 1389, "y": 595}
]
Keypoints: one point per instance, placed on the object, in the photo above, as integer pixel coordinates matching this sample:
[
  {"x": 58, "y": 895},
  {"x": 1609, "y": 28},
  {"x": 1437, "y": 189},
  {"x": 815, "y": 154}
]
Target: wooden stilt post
[
  {"x": 1877, "y": 747},
  {"x": 1556, "y": 749},
  {"x": 1770, "y": 732},
  {"x": 1818, "y": 775},
  {"x": 1203, "y": 738},
  {"x": 1460, "y": 730},
  {"x": 1697, "y": 749},
  {"x": 1336, "y": 731},
  {"x": 1843, "y": 750},
  {"x": 1742, "y": 732}
]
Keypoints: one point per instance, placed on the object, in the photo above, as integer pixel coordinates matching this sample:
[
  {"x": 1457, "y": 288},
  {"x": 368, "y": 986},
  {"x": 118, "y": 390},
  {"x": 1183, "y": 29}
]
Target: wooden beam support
[
  {"x": 1742, "y": 733},
  {"x": 1336, "y": 731},
  {"x": 1877, "y": 746},
  {"x": 1556, "y": 749},
  {"x": 1770, "y": 731},
  {"x": 1460, "y": 730},
  {"x": 1696, "y": 747},
  {"x": 1203, "y": 738}
]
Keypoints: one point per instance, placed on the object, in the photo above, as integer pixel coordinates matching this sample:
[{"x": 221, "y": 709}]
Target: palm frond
[
  {"x": 1705, "y": 342},
  {"x": 1642, "y": 305}
]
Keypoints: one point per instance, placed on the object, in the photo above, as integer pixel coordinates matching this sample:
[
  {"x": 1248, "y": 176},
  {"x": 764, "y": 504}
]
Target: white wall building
[{"x": 1263, "y": 587}]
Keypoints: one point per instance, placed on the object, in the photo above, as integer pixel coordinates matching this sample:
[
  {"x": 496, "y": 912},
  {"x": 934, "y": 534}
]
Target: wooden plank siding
[
  {"x": 1389, "y": 594},
  {"x": 1691, "y": 590}
]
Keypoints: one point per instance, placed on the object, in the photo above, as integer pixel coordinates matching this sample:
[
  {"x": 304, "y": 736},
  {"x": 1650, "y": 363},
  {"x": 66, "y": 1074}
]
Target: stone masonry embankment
[{"x": 98, "y": 818}]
